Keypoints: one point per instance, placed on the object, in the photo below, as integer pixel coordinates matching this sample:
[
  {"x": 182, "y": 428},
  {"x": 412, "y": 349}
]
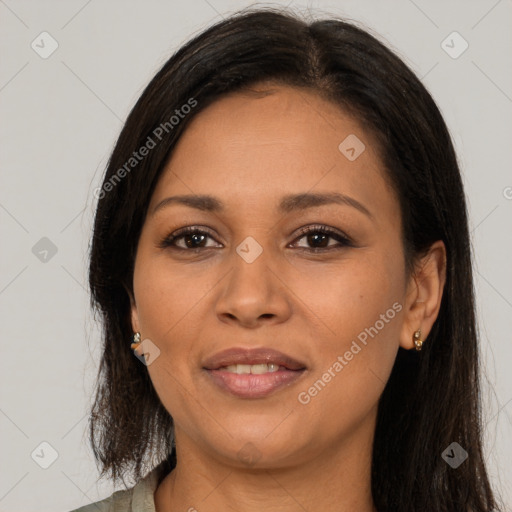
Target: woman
[{"x": 282, "y": 238}]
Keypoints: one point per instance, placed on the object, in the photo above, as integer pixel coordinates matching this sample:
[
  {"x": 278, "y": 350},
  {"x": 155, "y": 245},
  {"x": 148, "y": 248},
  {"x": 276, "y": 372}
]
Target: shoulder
[
  {"x": 139, "y": 498},
  {"x": 119, "y": 501}
]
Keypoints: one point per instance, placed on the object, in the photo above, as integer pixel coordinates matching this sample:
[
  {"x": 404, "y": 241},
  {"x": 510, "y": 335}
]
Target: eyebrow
[{"x": 288, "y": 203}]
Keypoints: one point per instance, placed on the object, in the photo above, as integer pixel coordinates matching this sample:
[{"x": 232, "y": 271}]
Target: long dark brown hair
[{"x": 432, "y": 398}]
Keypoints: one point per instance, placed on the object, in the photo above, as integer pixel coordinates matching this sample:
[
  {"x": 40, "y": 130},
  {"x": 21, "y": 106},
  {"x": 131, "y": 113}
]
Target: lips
[
  {"x": 235, "y": 356},
  {"x": 252, "y": 373}
]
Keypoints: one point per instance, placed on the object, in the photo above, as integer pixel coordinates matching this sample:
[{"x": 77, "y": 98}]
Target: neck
[{"x": 337, "y": 479}]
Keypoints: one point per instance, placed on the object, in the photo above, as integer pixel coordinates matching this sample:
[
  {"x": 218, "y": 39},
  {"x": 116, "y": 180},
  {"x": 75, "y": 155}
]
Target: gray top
[{"x": 139, "y": 498}]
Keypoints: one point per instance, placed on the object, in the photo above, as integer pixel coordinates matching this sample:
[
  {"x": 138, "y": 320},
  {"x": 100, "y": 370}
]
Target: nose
[{"x": 253, "y": 294}]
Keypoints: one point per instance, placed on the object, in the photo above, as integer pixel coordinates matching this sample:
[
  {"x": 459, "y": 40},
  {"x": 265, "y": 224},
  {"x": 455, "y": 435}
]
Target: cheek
[
  {"x": 343, "y": 300},
  {"x": 165, "y": 299},
  {"x": 167, "y": 303},
  {"x": 174, "y": 302},
  {"x": 167, "y": 295},
  {"x": 356, "y": 309}
]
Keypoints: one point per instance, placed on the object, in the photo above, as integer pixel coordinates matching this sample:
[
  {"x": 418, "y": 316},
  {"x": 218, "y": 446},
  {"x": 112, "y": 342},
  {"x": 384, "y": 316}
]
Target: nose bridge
[
  {"x": 250, "y": 280},
  {"x": 252, "y": 289}
]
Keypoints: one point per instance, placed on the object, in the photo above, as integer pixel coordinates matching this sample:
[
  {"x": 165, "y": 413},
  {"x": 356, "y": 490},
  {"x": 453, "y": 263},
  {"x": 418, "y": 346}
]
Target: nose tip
[{"x": 252, "y": 294}]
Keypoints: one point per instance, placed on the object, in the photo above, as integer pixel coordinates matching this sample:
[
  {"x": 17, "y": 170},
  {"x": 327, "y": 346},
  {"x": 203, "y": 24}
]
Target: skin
[{"x": 249, "y": 150}]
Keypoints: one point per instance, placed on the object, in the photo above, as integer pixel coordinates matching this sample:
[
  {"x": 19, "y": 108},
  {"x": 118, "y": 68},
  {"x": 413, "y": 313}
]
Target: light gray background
[{"x": 60, "y": 117}]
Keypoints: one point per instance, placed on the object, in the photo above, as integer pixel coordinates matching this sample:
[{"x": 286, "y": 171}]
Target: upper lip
[{"x": 233, "y": 356}]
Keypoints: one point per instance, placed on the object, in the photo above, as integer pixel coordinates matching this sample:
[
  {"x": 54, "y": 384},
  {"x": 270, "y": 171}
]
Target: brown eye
[
  {"x": 194, "y": 240},
  {"x": 187, "y": 238},
  {"x": 319, "y": 237}
]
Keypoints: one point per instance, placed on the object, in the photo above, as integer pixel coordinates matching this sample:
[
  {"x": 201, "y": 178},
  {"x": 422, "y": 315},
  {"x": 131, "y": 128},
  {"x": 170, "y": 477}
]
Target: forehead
[{"x": 253, "y": 147}]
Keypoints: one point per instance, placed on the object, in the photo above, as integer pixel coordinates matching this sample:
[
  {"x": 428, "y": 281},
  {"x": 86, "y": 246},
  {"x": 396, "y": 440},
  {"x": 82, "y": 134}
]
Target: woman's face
[{"x": 248, "y": 278}]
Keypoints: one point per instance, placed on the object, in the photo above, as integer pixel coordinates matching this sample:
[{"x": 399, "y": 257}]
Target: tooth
[
  {"x": 259, "y": 369},
  {"x": 255, "y": 369}
]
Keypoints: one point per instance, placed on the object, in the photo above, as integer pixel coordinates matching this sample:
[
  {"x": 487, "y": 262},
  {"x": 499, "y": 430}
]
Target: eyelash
[{"x": 169, "y": 241}]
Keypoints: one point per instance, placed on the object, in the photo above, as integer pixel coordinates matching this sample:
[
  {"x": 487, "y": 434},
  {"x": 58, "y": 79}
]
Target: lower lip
[{"x": 248, "y": 385}]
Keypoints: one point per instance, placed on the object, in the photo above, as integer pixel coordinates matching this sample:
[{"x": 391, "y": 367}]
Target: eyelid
[
  {"x": 342, "y": 239},
  {"x": 165, "y": 242},
  {"x": 330, "y": 231}
]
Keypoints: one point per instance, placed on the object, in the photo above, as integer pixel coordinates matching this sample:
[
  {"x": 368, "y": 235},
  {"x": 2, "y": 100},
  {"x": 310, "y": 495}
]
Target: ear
[
  {"x": 134, "y": 315},
  {"x": 424, "y": 294}
]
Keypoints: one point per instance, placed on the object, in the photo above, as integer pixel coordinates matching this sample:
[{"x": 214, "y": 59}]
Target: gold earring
[
  {"x": 417, "y": 341},
  {"x": 136, "y": 341}
]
